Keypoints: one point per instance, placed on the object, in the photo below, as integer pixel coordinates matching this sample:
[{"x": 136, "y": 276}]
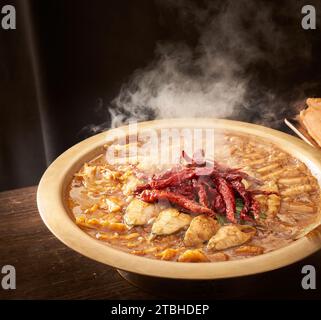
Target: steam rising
[
  {"x": 235, "y": 70},
  {"x": 179, "y": 85}
]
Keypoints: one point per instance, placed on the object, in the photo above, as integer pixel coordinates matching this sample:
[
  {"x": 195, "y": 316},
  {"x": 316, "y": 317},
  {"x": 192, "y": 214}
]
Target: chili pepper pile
[{"x": 199, "y": 186}]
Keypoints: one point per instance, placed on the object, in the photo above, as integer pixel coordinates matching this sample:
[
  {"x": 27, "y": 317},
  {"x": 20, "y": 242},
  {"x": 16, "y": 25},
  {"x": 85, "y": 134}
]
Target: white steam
[{"x": 213, "y": 78}]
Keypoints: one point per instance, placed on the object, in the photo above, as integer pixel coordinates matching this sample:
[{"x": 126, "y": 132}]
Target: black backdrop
[
  {"x": 66, "y": 58},
  {"x": 63, "y": 58}
]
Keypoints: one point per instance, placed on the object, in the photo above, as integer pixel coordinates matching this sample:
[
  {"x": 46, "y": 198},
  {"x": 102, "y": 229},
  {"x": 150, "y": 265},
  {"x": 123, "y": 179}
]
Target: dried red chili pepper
[
  {"x": 174, "y": 180},
  {"x": 186, "y": 189},
  {"x": 190, "y": 205},
  {"x": 202, "y": 194},
  {"x": 246, "y": 197},
  {"x": 255, "y": 208},
  {"x": 202, "y": 187},
  {"x": 226, "y": 191},
  {"x": 216, "y": 200}
]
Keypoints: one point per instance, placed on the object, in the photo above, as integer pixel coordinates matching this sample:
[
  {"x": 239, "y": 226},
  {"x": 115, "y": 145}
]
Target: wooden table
[{"x": 47, "y": 269}]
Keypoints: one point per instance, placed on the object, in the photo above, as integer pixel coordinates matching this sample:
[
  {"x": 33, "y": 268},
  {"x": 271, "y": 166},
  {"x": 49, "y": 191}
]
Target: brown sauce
[{"x": 100, "y": 193}]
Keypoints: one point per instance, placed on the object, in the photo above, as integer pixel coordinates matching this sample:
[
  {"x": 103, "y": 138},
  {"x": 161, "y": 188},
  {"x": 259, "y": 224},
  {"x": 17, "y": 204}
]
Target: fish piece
[
  {"x": 293, "y": 181},
  {"x": 194, "y": 255},
  {"x": 144, "y": 251},
  {"x": 124, "y": 149},
  {"x": 114, "y": 226},
  {"x": 255, "y": 162},
  {"x": 249, "y": 250},
  {"x": 270, "y": 187},
  {"x": 269, "y": 168},
  {"x": 231, "y": 236},
  {"x": 92, "y": 209},
  {"x": 80, "y": 196},
  {"x": 252, "y": 156},
  {"x": 287, "y": 218},
  {"x": 112, "y": 204},
  {"x": 273, "y": 205},
  {"x": 269, "y": 203},
  {"x": 101, "y": 224},
  {"x": 131, "y": 184},
  {"x": 297, "y": 207},
  {"x": 273, "y": 175},
  {"x": 167, "y": 254},
  {"x": 219, "y": 256},
  {"x": 170, "y": 221},
  {"x": 286, "y": 225},
  {"x": 139, "y": 212},
  {"x": 201, "y": 229},
  {"x": 297, "y": 190}
]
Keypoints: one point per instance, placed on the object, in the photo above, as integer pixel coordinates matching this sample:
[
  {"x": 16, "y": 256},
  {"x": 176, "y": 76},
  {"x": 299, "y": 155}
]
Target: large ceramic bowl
[{"x": 53, "y": 209}]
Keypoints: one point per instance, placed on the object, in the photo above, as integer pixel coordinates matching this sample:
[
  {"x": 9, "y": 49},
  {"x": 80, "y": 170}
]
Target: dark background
[{"x": 67, "y": 59}]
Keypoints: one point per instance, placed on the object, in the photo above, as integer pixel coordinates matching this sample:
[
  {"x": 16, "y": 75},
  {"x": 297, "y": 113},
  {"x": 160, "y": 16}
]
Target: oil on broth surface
[{"x": 103, "y": 201}]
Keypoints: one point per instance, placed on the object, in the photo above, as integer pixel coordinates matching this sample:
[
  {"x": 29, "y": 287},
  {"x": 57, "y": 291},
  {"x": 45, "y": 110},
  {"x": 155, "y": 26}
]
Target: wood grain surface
[{"x": 47, "y": 269}]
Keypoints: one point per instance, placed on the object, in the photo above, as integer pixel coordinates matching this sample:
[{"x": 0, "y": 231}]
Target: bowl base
[{"x": 236, "y": 288}]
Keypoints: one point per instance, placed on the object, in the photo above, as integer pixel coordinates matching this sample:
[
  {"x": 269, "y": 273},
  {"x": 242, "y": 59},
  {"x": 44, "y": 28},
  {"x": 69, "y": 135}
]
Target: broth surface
[{"x": 102, "y": 200}]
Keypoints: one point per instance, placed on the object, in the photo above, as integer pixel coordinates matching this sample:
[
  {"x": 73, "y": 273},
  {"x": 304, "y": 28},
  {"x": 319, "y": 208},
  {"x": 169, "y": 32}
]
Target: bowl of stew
[{"x": 186, "y": 198}]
